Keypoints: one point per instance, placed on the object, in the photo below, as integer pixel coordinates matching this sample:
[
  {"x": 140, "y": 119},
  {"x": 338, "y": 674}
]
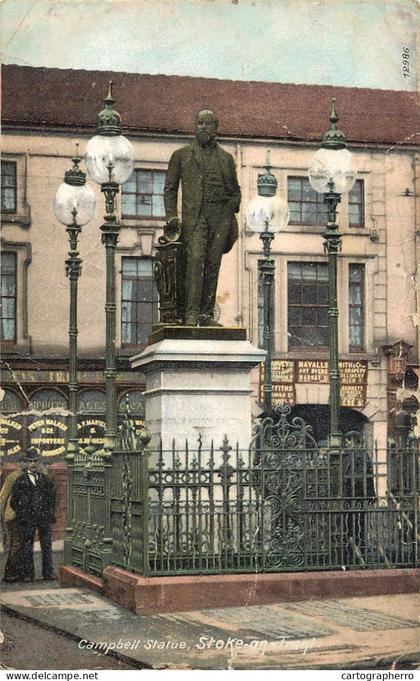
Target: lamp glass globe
[
  {"x": 103, "y": 150},
  {"x": 334, "y": 165},
  {"x": 267, "y": 214},
  {"x": 69, "y": 198}
]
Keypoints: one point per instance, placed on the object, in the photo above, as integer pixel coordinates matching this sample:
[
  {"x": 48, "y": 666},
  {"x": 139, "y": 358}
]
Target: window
[
  {"x": 306, "y": 206},
  {"x": 8, "y": 297},
  {"x": 142, "y": 195},
  {"x": 261, "y": 343},
  {"x": 308, "y": 292},
  {"x": 357, "y": 205},
  {"x": 138, "y": 300},
  {"x": 356, "y": 307},
  {"x": 8, "y": 187}
]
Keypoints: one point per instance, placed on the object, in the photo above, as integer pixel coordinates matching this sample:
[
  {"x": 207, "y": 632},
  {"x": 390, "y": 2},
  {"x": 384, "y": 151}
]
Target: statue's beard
[{"x": 204, "y": 138}]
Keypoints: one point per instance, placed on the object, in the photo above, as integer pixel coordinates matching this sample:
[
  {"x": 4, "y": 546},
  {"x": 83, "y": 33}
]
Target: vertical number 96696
[{"x": 406, "y": 62}]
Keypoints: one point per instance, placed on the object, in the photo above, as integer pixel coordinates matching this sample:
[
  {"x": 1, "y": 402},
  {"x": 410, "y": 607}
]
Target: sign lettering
[
  {"x": 353, "y": 379},
  {"x": 10, "y": 437},
  {"x": 49, "y": 435},
  {"x": 353, "y": 396}
]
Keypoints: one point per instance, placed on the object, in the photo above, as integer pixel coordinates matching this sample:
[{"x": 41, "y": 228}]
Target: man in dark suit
[
  {"x": 210, "y": 198},
  {"x": 33, "y": 499}
]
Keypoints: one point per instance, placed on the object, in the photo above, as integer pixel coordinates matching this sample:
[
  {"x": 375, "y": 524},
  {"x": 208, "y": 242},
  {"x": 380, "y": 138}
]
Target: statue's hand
[
  {"x": 173, "y": 223},
  {"x": 172, "y": 229}
]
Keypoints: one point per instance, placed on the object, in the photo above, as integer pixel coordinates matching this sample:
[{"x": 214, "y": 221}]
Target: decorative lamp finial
[
  {"x": 109, "y": 120},
  {"x": 75, "y": 177},
  {"x": 333, "y": 138},
  {"x": 267, "y": 183}
]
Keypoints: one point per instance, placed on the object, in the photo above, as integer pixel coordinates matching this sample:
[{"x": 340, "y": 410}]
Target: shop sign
[
  {"x": 91, "y": 431},
  {"x": 312, "y": 371},
  {"x": 49, "y": 434},
  {"x": 353, "y": 396},
  {"x": 353, "y": 379}
]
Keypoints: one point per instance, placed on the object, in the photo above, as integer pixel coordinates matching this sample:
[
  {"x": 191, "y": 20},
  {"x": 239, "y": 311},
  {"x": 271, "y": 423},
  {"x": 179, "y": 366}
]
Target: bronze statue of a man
[{"x": 210, "y": 198}]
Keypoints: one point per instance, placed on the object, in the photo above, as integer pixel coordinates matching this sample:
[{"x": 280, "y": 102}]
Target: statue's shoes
[
  {"x": 191, "y": 321},
  {"x": 208, "y": 321}
]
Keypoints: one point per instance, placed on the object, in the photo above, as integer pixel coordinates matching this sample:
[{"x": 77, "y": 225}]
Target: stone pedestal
[{"x": 198, "y": 383}]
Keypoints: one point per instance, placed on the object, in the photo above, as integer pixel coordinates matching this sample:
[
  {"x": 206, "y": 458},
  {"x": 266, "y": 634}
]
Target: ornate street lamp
[
  {"x": 331, "y": 173},
  {"x": 266, "y": 215},
  {"x": 74, "y": 206},
  {"x": 110, "y": 162}
]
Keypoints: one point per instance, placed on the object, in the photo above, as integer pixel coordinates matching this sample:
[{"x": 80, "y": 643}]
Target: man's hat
[{"x": 31, "y": 455}]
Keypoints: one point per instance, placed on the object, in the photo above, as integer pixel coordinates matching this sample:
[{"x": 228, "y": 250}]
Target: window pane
[
  {"x": 355, "y": 315},
  {"x": 130, "y": 185},
  {"x": 126, "y": 312},
  {"x": 309, "y": 214},
  {"x": 355, "y": 295},
  {"x": 139, "y": 300},
  {"x": 144, "y": 206},
  {"x": 355, "y": 215},
  {"x": 308, "y": 316},
  {"x": 294, "y": 293},
  {"x": 307, "y": 309},
  {"x": 306, "y": 206},
  {"x": 7, "y": 329},
  {"x": 356, "y": 307},
  {"x": 356, "y": 204},
  {"x": 8, "y": 296},
  {"x": 294, "y": 189},
  {"x": 355, "y": 194},
  {"x": 308, "y": 273},
  {"x": 295, "y": 212},
  {"x": 128, "y": 204},
  {"x": 8, "y": 308},
  {"x": 308, "y": 194},
  {"x": 158, "y": 207},
  {"x": 125, "y": 334},
  {"x": 294, "y": 316},
  {"x": 144, "y": 181},
  {"x": 8, "y": 186},
  {"x": 128, "y": 289},
  {"x": 355, "y": 337},
  {"x": 322, "y": 273},
  {"x": 158, "y": 182},
  {"x": 8, "y": 198},
  {"x": 322, "y": 316},
  {"x": 309, "y": 294},
  {"x": 8, "y": 285},
  {"x": 142, "y": 194},
  {"x": 129, "y": 266},
  {"x": 294, "y": 270},
  {"x": 144, "y": 267}
]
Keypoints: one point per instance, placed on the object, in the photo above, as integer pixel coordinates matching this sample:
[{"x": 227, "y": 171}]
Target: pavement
[{"x": 377, "y": 632}]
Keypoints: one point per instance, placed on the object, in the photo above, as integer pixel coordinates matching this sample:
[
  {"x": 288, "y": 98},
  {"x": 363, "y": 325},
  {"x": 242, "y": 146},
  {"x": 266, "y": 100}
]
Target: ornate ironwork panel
[{"x": 87, "y": 541}]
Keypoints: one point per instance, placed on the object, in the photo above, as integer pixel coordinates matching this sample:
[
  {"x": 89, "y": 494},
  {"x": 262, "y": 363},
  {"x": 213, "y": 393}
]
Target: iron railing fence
[
  {"x": 285, "y": 504},
  {"x": 88, "y": 541}
]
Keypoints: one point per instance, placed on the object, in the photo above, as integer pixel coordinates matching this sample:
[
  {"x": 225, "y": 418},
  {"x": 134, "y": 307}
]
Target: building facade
[{"x": 46, "y": 111}]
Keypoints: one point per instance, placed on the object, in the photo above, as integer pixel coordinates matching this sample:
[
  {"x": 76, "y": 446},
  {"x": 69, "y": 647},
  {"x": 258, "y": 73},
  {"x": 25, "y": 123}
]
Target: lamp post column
[
  {"x": 267, "y": 268},
  {"x": 266, "y": 215},
  {"x": 73, "y": 271},
  {"x": 74, "y": 206},
  {"x": 332, "y": 245},
  {"x": 331, "y": 173},
  {"x": 110, "y": 231},
  {"x": 110, "y": 162}
]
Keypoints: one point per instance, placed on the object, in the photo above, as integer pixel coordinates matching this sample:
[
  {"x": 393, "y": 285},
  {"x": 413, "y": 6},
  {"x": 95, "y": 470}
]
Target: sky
[{"x": 353, "y": 43}]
